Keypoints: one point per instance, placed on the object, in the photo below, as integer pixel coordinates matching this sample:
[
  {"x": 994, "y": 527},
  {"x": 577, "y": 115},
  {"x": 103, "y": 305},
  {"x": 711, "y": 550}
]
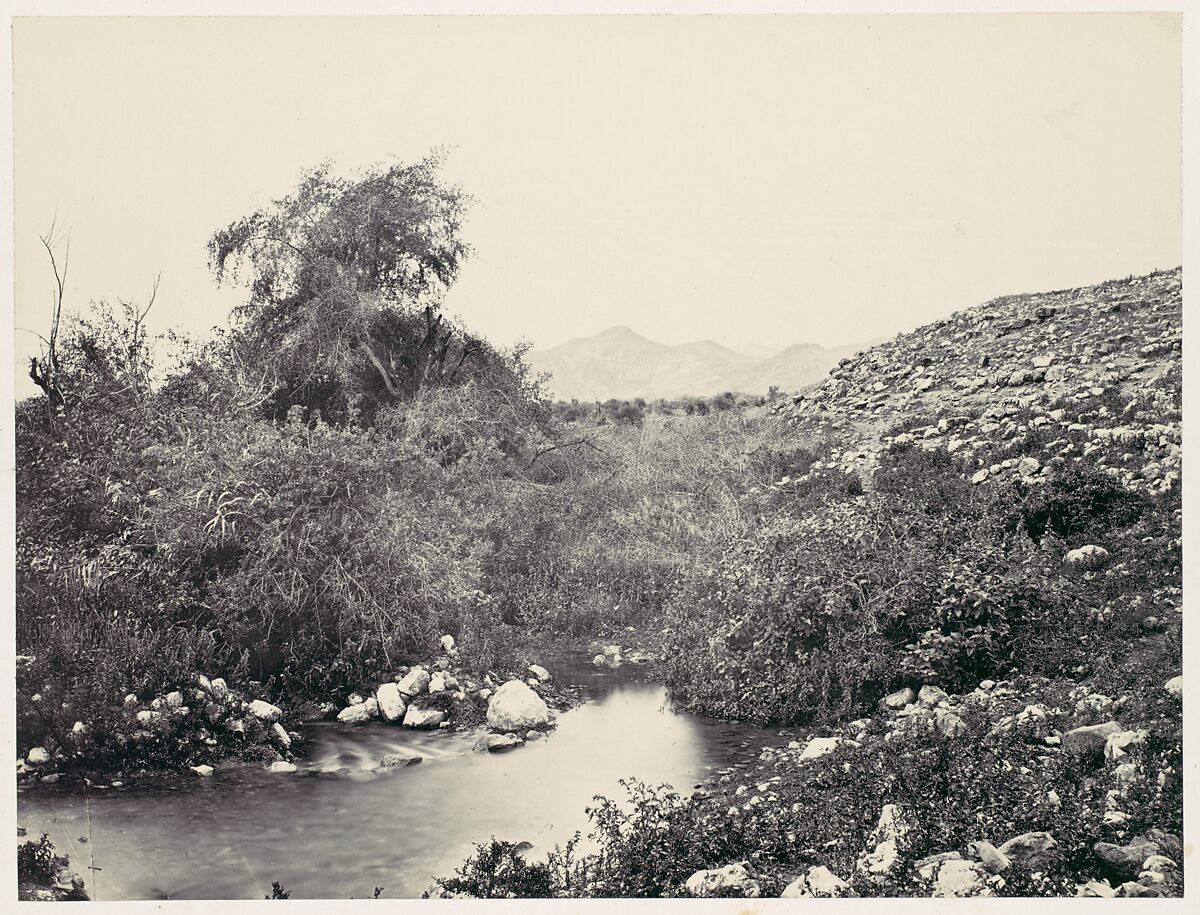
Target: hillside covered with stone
[{"x": 962, "y": 592}]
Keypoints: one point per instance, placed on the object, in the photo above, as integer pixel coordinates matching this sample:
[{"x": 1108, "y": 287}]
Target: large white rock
[
  {"x": 415, "y": 682},
  {"x": 38, "y": 756},
  {"x": 437, "y": 683},
  {"x": 540, "y": 672},
  {"x": 820, "y": 882},
  {"x": 281, "y": 766},
  {"x": 423, "y": 718},
  {"x": 1087, "y": 556},
  {"x": 818, "y": 747},
  {"x": 203, "y": 771},
  {"x": 448, "y": 644},
  {"x": 265, "y": 710},
  {"x": 956, "y": 878},
  {"x": 355, "y": 714},
  {"x": 516, "y": 707},
  {"x": 392, "y": 703},
  {"x": 1174, "y": 686},
  {"x": 720, "y": 881}
]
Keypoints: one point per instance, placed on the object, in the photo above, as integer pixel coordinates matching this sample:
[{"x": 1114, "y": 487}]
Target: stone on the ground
[
  {"x": 399, "y": 759},
  {"x": 495, "y": 743},
  {"x": 447, "y": 644},
  {"x": 174, "y": 699},
  {"x": 818, "y": 747},
  {"x": 1095, "y": 889},
  {"x": 281, "y": 735},
  {"x": 415, "y": 682},
  {"x": 423, "y": 718},
  {"x": 899, "y": 699},
  {"x": 1126, "y": 860},
  {"x": 949, "y": 724},
  {"x": 540, "y": 672},
  {"x": 516, "y": 707},
  {"x": 993, "y": 861},
  {"x": 1037, "y": 851},
  {"x": 1089, "y": 740},
  {"x": 203, "y": 771},
  {"x": 723, "y": 881},
  {"x": 1117, "y": 745},
  {"x": 437, "y": 683},
  {"x": 957, "y": 878},
  {"x": 1174, "y": 686},
  {"x": 599, "y": 661},
  {"x": 38, "y": 756},
  {"x": 220, "y": 689},
  {"x": 281, "y": 765},
  {"x": 265, "y": 711},
  {"x": 932, "y": 695},
  {"x": 886, "y": 844},
  {"x": 392, "y": 703},
  {"x": 819, "y": 883},
  {"x": 1087, "y": 556}
]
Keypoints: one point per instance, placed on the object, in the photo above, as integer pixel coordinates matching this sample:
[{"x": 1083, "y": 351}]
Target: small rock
[
  {"x": 1095, "y": 889},
  {"x": 899, "y": 699},
  {"x": 818, "y": 747},
  {"x": 1174, "y": 686},
  {"x": 957, "y": 878},
  {"x": 400, "y": 759},
  {"x": 437, "y": 683},
  {"x": 1117, "y": 745},
  {"x": 415, "y": 682},
  {"x": 540, "y": 672},
  {"x": 495, "y": 743},
  {"x": 265, "y": 711},
  {"x": 1088, "y": 556},
  {"x": 281, "y": 735},
  {"x": 1037, "y": 851},
  {"x": 281, "y": 766},
  {"x": 174, "y": 699},
  {"x": 203, "y": 771},
  {"x": 819, "y": 883},
  {"x": 992, "y": 859},
  {"x": 931, "y": 695},
  {"x": 355, "y": 714},
  {"x": 1125, "y": 860},
  {"x": 1089, "y": 740},
  {"x": 448, "y": 644},
  {"x": 38, "y": 756}
]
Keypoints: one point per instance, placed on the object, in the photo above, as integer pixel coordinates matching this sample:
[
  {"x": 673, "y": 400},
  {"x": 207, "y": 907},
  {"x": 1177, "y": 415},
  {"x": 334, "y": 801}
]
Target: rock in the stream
[
  {"x": 203, "y": 771},
  {"x": 281, "y": 766},
  {"x": 495, "y": 743},
  {"x": 392, "y": 703},
  {"x": 415, "y": 682},
  {"x": 423, "y": 718},
  {"x": 723, "y": 881},
  {"x": 400, "y": 759},
  {"x": 516, "y": 707}
]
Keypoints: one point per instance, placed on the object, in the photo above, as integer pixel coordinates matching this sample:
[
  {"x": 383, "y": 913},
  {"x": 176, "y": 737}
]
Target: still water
[{"x": 339, "y": 827}]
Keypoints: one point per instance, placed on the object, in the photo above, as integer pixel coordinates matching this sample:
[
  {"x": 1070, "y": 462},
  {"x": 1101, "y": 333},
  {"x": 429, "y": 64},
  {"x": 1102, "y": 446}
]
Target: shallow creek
[{"x": 340, "y": 826}]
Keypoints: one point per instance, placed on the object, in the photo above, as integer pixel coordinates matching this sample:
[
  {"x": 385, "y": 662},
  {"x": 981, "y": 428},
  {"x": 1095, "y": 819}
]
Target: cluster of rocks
[
  {"x": 425, "y": 697},
  {"x": 1049, "y": 365},
  {"x": 612, "y": 655},
  {"x": 1079, "y": 722},
  {"x": 205, "y": 715}
]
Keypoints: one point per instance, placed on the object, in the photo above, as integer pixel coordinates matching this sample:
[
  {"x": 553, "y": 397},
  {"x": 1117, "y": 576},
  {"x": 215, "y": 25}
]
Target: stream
[{"x": 340, "y": 827}]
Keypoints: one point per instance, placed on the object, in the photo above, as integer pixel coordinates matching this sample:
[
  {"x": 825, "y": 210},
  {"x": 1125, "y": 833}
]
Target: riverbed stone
[
  {"x": 355, "y": 714},
  {"x": 723, "y": 881},
  {"x": 516, "y": 707},
  {"x": 203, "y": 771},
  {"x": 281, "y": 766},
  {"x": 400, "y": 759},
  {"x": 392, "y": 703},
  {"x": 281, "y": 735},
  {"x": 496, "y": 743},
  {"x": 423, "y": 718}
]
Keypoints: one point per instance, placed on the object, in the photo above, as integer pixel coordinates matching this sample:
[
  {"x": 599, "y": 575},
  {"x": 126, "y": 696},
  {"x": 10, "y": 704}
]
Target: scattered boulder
[
  {"x": 265, "y": 711},
  {"x": 732, "y": 879},
  {"x": 899, "y": 699},
  {"x": 819, "y": 883},
  {"x": 423, "y": 718},
  {"x": 957, "y": 878},
  {"x": 1089, "y": 740},
  {"x": 38, "y": 756},
  {"x": 516, "y": 707},
  {"x": 1117, "y": 745},
  {"x": 415, "y": 682},
  {"x": 392, "y": 703},
  {"x": 203, "y": 771},
  {"x": 1126, "y": 860},
  {"x": 993, "y": 860},
  {"x": 448, "y": 644},
  {"x": 932, "y": 695},
  {"x": 540, "y": 672},
  {"x": 281, "y": 766},
  {"x": 355, "y": 714},
  {"x": 887, "y": 842},
  {"x": 1174, "y": 686},
  {"x": 818, "y": 747},
  {"x": 1087, "y": 557},
  {"x": 400, "y": 759},
  {"x": 495, "y": 743},
  {"x": 1037, "y": 851},
  {"x": 281, "y": 735}
]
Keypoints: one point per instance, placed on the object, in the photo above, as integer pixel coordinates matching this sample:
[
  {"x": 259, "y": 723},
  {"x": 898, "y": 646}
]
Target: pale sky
[{"x": 778, "y": 179}]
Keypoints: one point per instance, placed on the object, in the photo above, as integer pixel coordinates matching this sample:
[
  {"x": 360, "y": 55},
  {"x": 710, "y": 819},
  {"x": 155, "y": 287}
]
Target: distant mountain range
[{"x": 620, "y": 363}]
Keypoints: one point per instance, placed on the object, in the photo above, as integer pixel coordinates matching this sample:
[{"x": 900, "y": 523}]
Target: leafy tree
[{"x": 346, "y": 278}]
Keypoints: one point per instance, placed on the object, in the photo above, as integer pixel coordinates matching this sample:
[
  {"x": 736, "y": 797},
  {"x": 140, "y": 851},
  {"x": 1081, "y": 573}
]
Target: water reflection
[{"x": 341, "y": 827}]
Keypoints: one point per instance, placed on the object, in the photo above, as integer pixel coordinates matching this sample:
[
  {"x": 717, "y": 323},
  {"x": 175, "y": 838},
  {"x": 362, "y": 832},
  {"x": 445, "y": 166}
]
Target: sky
[{"x": 769, "y": 179}]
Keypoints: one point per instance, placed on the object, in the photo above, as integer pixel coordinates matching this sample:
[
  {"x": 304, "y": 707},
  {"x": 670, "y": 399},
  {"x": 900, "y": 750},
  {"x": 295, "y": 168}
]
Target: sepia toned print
[{"x": 598, "y": 457}]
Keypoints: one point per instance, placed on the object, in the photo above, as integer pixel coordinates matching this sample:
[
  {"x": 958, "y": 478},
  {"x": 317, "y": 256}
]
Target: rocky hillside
[
  {"x": 1084, "y": 369},
  {"x": 620, "y": 363}
]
